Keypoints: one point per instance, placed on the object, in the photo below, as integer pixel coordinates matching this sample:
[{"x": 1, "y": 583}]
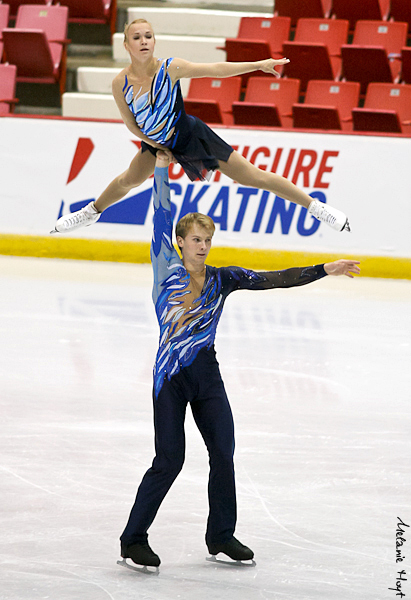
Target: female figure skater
[
  {"x": 148, "y": 95},
  {"x": 189, "y": 297}
]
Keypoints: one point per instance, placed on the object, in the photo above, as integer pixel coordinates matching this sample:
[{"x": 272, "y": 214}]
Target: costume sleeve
[
  {"x": 244, "y": 279},
  {"x": 164, "y": 257}
]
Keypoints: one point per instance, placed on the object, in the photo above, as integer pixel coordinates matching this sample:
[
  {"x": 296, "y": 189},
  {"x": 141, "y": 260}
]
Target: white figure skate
[
  {"x": 327, "y": 214},
  {"x": 81, "y": 218}
]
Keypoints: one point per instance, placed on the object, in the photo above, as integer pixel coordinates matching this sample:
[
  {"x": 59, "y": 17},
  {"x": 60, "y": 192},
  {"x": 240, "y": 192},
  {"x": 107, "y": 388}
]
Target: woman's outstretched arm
[{"x": 184, "y": 68}]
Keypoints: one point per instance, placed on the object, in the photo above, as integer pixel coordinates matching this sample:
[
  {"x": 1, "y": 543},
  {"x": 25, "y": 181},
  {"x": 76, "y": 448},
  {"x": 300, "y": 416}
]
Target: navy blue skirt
[{"x": 199, "y": 151}]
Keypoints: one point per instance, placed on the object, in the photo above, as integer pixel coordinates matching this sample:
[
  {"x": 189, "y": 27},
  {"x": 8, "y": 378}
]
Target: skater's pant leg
[
  {"x": 215, "y": 421},
  {"x": 169, "y": 415}
]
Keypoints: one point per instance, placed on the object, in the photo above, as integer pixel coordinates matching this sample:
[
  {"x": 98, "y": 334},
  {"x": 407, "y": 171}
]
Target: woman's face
[{"x": 140, "y": 41}]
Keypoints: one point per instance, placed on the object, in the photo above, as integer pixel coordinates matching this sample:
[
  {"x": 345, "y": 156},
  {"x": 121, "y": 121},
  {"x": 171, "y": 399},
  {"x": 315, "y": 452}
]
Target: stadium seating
[
  {"x": 8, "y": 75},
  {"x": 327, "y": 105},
  {"x": 267, "y": 102},
  {"x": 387, "y": 108},
  {"x": 4, "y": 16},
  {"x": 92, "y": 11},
  {"x": 315, "y": 51},
  {"x": 4, "y": 20},
  {"x": 37, "y": 45},
  {"x": 401, "y": 11},
  {"x": 296, "y": 9},
  {"x": 15, "y": 4},
  {"x": 406, "y": 65},
  {"x": 257, "y": 39},
  {"x": 355, "y": 10},
  {"x": 375, "y": 54},
  {"x": 242, "y": 50},
  {"x": 274, "y": 30},
  {"x": 211, "y": 99}
]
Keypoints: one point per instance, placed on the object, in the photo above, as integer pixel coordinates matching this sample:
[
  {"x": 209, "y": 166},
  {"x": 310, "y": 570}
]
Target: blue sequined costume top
[
  {"x": 158, "y": 112},
  {"x": 160, "y": 115},
  {"x": 187, "y": 324}
]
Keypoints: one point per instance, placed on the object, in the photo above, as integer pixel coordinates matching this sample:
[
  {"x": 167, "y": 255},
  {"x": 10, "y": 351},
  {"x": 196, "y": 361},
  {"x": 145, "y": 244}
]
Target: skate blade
[
  {"x": 232, "y": 563},
  {"x": 143, "y": 569},
  {"x": 346, "y": 226},
  {"x": 54, "y": 231}
]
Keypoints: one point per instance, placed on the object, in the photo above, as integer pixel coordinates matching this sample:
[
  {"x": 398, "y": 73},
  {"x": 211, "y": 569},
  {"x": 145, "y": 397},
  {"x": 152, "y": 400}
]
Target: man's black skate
[
  {"x": 233, "y": 549},
  {"x": 141, "y": 554}
]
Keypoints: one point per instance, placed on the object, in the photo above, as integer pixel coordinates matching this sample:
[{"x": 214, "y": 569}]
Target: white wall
[{"x": 368, "y": 177}]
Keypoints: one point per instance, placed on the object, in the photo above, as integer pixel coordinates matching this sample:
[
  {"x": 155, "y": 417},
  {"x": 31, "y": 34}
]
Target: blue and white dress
[{"x": 161, "y": 116}]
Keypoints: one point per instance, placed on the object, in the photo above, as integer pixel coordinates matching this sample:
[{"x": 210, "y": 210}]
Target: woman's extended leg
[
  {"x": 140, "y": 169},
  {"x": 241, "y": 170}
]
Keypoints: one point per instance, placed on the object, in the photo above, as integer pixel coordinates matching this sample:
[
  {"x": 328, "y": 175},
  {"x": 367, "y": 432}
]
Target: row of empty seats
[
  {"x": 320, "y": 50},
  {"x": 351, "y": 10},
  {"x": 37, "y": 45},
  {"x": 80, "y": 11},
  {"x": 328, "y": 105}
]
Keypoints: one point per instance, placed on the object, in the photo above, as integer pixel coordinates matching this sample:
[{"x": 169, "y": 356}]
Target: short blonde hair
[
  {"x": 135, "y": 22},
  {"x": 185, "y": 224}
]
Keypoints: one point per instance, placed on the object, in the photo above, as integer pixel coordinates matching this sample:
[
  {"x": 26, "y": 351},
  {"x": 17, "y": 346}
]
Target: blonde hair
[
  {"x": 185, "y": 224},
  {"x": 135, "y": 22}
]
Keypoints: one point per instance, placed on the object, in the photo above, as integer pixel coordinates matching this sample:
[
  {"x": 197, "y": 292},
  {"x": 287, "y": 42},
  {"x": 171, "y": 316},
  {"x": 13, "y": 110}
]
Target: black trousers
[{"x": 199, "y": 384}]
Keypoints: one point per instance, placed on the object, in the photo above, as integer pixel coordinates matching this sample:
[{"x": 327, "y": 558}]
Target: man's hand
[{"x": 343, "y": 267}]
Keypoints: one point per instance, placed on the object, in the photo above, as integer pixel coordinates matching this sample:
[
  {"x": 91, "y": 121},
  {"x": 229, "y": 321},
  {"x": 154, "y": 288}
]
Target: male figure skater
[{"x": 189, "y": 296}]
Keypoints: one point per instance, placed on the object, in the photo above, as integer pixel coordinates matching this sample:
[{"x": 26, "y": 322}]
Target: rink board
[{"x": 53, "y": 166}]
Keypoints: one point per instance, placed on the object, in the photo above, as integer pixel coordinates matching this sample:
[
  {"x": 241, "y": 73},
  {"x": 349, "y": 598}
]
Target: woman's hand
[
  {"x": 162, "y": 159},
  {"x": 268, "y": 66},
  {"x": 343, "y": 267}
]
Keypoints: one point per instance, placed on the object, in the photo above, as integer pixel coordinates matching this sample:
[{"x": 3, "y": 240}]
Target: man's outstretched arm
[{"x": 164, "y": 257}]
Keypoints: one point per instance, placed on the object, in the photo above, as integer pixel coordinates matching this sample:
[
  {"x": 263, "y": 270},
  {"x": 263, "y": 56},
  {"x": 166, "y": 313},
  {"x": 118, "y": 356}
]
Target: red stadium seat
[
  {"x": 8, "y": 74},
  {"x": 4, "y": 16},
  {"x": 375, "y": 52},
  {"x": 244, "y": 50},
  {"x": 387, "y": 108},
  {"x": 275, "y": 31},
  {"x": 37, "y": 45},
  {"x": 15, "y": 4},
  {"x": 210, "y": 99},
  {"x": 355, "y": 10},
  {"x": 267, "y": 102},
  {"x": 258, "y": 39},
  {"x": 327, "y": 105},
  {"x": 315, "y": 51},
  {"x": 92, "y": 11},
  {"x": 401, "y": 11},
  {"x": 4, "y": 21},
  {"x": 406, "y": 65},
  {"x": 296, "y": 9}
]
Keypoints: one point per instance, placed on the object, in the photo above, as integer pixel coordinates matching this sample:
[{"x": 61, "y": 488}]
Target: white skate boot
[
  {"x": 81, "y": 218},
  {"x": 327, "y": 214}
]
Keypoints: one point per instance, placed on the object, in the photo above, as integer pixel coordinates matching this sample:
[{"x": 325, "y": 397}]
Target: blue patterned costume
[
  {"x": 187, "y": 372},
  {"x": 160, "y": 115}
]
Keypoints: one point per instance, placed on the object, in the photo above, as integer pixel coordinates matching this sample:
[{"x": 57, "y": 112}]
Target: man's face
[{"x": 196, "y": 245}]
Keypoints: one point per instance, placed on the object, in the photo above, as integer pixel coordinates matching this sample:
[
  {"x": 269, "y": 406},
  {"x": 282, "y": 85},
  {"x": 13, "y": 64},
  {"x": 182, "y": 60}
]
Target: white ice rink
[{"x": 319, "y": 380}]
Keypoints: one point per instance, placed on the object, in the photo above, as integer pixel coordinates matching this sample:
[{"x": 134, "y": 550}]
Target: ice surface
[{"x": 319, "y": 382}]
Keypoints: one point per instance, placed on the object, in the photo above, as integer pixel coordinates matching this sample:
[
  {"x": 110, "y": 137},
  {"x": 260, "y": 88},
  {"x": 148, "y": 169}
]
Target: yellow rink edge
[{"x": 139, "y": 252}]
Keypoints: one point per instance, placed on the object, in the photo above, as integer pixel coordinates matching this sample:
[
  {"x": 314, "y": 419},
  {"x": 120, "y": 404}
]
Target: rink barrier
[{"x": 139, "y": 252}]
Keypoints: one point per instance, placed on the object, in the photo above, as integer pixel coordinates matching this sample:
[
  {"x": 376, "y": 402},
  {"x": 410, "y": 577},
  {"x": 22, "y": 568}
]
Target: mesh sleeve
[{"x": 245, "y": 279}]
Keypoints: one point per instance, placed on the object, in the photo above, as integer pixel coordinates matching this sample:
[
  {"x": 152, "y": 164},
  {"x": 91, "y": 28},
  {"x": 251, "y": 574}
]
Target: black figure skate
[{"x": 234, "y": 550}]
